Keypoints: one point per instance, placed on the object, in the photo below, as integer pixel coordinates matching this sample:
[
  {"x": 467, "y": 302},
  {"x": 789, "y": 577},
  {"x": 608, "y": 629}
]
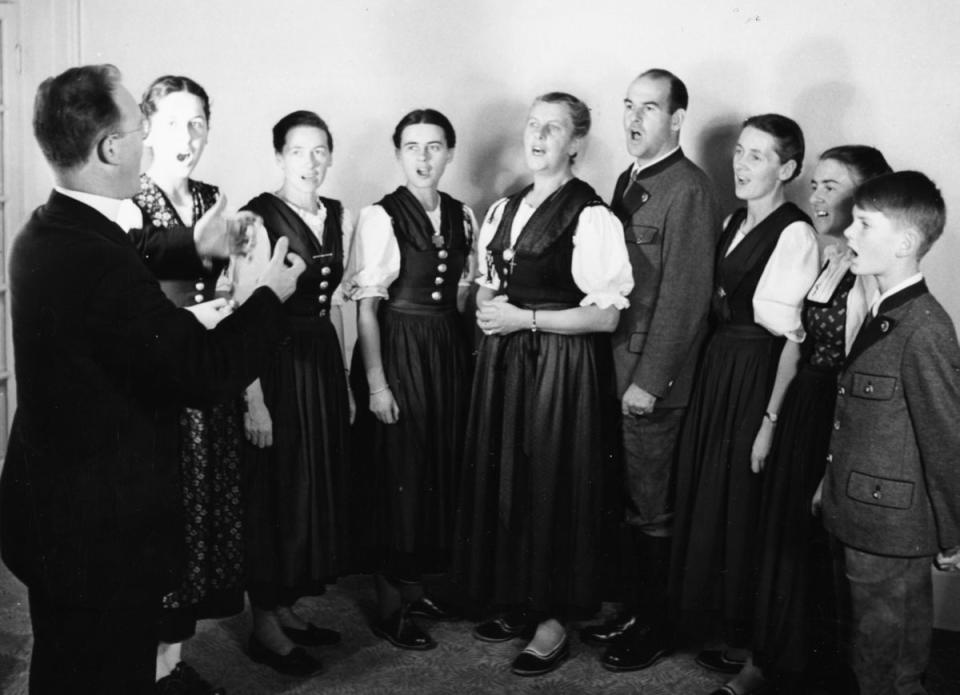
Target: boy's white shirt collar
[
  {"x": 912, "y": 280},
  {"x": 124, "y": 212}
]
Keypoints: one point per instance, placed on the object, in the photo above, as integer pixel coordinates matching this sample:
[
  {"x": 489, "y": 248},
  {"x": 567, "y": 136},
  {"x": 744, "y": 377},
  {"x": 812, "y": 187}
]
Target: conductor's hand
[
  {"x": 278, "y": 276},
  {"x": 213, "y": 312},
  {"x": 219, "y": 235}
]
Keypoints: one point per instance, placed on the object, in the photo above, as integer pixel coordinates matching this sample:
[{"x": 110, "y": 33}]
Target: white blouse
[
  {"x": 600, "y": 265},
  {"x": 375, "y": 256},
  {"x": 242, "y": 271},
  {"x": 790, "y": 272}
]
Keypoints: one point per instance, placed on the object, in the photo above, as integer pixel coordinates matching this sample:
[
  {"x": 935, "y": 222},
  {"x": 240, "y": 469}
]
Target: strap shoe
[{"x": 639, "y": 647}]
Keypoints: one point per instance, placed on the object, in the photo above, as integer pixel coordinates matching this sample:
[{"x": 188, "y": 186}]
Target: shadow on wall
[
  {"x": 495, "y": 166},
  {"x": 363, "y": 167},
  {"x": 716, "y": 143},
  {"x": 712, "y": 141},
  {"x": 602, "y": 164},
  {"x": 821, "y": 111},
  {"x": 821, "y": 108}
]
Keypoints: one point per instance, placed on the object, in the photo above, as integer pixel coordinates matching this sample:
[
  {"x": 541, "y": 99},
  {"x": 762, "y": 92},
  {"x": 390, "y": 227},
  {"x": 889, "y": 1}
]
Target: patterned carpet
[{"x": 365, "y": 665}]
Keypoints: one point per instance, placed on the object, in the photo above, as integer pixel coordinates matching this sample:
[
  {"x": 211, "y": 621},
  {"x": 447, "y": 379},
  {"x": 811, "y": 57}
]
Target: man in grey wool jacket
[{"x": 671, "y": 221}]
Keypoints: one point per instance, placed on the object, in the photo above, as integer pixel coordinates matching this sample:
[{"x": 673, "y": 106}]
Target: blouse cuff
[
  {"x": 603, "y": 300},
  {"x": 358, "y": 293},
  {"x": 779, "y": 319}
]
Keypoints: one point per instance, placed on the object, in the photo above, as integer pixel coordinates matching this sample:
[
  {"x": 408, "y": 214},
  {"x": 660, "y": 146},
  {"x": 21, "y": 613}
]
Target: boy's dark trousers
[{"x": 891, "y": 604}]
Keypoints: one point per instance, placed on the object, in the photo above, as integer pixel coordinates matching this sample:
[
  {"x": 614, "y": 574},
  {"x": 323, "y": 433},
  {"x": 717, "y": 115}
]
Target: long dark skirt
[
  {"x": 295, "y": 489},
  {"x": 531, "y": 509},
  {"x": 718, "y": 497},
  {"x": 796, "y": 614},
  {"x": 212, "y": 582},
  {"x": 406, "y": 475}
]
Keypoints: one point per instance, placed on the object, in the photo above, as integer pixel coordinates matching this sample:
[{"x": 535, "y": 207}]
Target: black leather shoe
[
  {"x": 715, "y": 660},
  {"x": 763, "y": 689},
  {"x": 184, "y": 680},
  {"x": 403, "y": 633},
  {"x": 295, "y": 663},
  {"x": 433, "y": 609},
  {"x": 529, "y": 663},
  {"x": 607, "y": 633},
  {"x": 171, "y": 685},
  {"x": 500, "y": 630},
  {"x": 637, "y": 648},
  {"x": 313, "y": 636}
]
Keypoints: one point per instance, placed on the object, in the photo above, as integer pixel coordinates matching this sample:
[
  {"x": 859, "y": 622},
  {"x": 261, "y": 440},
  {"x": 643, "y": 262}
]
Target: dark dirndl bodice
[
  {"x": 324, "y": 258},
  {"x": 738, "y": 273},
  {"x": 430, "y": 264},
  {"x": 184, "y": 290},
  {"x": 825, "y": 325},
  {"x": 535, "y": 271}
]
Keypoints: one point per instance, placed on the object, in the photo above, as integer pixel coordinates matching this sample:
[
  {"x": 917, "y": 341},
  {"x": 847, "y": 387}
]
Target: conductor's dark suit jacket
[
  {"x": 892, "y": 485},
  {"x": 671, "y": 221},
  {"x": 89, "y": 496}
]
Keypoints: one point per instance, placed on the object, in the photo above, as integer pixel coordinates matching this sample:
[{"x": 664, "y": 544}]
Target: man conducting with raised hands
[{"x": 89, "y": 497}]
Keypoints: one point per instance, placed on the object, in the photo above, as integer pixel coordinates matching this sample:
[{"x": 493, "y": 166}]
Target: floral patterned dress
[
  {"x": 210, "y": 443},
  {"x": 796, "y": 605}
]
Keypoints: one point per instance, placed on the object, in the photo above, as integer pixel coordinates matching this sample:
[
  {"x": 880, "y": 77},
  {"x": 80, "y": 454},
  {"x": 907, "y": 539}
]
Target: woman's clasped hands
[{"x": 498, "y": 316}]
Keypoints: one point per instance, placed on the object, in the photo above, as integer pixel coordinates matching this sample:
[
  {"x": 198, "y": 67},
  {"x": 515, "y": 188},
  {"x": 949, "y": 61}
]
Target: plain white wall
[{"x": 849, "y": 71}]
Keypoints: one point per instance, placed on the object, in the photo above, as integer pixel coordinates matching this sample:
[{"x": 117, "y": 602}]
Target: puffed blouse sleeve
[
  {"x": 790, "y": 272},
  {"x": 374, "y": 261},
  {"x": 600, "y": 265},
  {"x": 347, "y": 226},
  {"x": 487, "y": 275}
]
